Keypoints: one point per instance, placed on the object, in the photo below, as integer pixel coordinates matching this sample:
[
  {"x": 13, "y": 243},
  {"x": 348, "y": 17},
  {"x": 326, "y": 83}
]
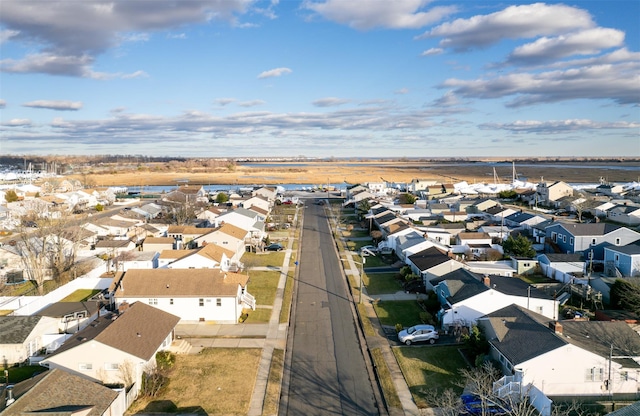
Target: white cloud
[
  {"x": 514, "y": 22},
  {"x": 251, "y": 103},
  {"x": 55, "y": 105},
  {"x": 329, "y": 102},
  {"x": 432, "y": 51},
  {"x": 274, "y": 73},
  {"x": 365, "y": 14},
  {"x": 17, "y": 122},
  {"x": 5, "y": 35},
  {"x": 76, "y": 32},
  {"x": 617, "y": 82},
  {"x": 3, "y": 103},
  {"x": 586, "y": 42},
  {"x": 134, "y": 75},
  {"x": 402, "y": 91},
  {"x": 51, "y": 64},
  {"x": 449, "y": 99},
  {"x": 558, "y": 126},
  {"x": 224, "y": 101}
]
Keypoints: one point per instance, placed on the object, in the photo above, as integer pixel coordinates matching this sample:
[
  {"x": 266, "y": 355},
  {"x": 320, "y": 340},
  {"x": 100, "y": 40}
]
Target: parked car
[
  {"x": 473, "y": 405},
  {"x": 418, "y": 333},
  {"x": 415, "y": 286},
  {"x": 274, "y": 247},
  {"x": 368, "y": 250}
]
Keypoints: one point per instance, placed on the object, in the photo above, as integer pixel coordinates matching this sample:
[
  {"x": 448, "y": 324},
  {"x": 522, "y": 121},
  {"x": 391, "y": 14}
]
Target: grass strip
[
  {"x": 274, "y": 382},
  {"x": 367, "y": 326},
  {"x": 386, "y": 382},
  {"x": 81, "y": 295}
]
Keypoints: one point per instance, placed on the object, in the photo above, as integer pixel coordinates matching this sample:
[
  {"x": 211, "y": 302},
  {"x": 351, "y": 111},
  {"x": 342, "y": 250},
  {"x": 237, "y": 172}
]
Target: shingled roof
[
  {"x": 163, "y": 283},
  {"x": 57, "y": 392},
  {"x": 139, "y": 331},
  {"x": 426, "y": 259},
  {"x": 16, "y": 329}
]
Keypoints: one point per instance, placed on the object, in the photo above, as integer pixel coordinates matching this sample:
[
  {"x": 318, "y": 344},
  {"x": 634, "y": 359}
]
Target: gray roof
[
  {"x": 596, "y": 229},
  {"x": 60, "y": 309},
  {"x": 515, "y": 328},
  {"x": 600, "y": 336},
  {"x": 16, "y": 329},
  {"x": 631, "y": 249},
  {"x": 462, "y": 284},
  {"x": 563, "y": 257},
  {"x": 139, "y": 331},
  {"x": 426, "y": 259},
  {"x": 57, "y": 392},
  {"x": 631, "y": 410}
]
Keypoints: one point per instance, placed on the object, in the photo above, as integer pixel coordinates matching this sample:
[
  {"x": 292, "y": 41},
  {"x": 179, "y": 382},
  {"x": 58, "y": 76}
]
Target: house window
[
  {"x": 564, "y": 238},
  {"x": 617, "y": 258},
  {"x": 624, "y": 376},
  {"x": 554, "y": 237},
  {"x": 617, "y": 241},
  {"x": 571, "y": 240},
  {"x": 201, "y": 302},
  {"x": 170, "y": 301},
  {"x": 85, "y": 366},
  {"x": 153, "y": 301},
  {"x": 539, "y": 309},
  {"x": 218, "y": 302},
  {"x": 594, "y": 374},
  {"x": 526, "y": 264},
  {"x": 111, "y": 366},
  {"x": 593, "y": 241}
]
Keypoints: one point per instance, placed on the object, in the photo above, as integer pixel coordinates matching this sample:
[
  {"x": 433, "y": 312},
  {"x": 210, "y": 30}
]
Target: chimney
[
  {"x": 486, "y": 280},
  {"x": 556, "y": 327}
]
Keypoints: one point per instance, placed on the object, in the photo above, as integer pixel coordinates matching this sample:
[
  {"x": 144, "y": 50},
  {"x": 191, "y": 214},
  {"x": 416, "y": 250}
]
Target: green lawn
[
  {"x": 259, "y": 316},
  {"x": 429, "y": 369},
  {"x": 405, "y": 312},
  {"x": 263, "y": 286},
  {"x": 378, "y": 283},
  {"x": 355, "y": 234},
  {"x": 81, "y": 295},
  {"x": 266, "y": 259}
]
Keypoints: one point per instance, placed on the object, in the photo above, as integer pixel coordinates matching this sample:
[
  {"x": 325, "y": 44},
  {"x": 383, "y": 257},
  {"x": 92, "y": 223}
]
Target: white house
[
  {"x": 562, "y": 267},
  {"x": 130, "y": 340},
  {"x": 210, "y": 295},
  {"x": 21, "y": 337},
  {"x": 71, "y": 316},
  {"x": 578, "y": 359},
  {"x": 158, "y": 244},
  {"x": 258, "y": 201},
  {"x": 210, "y": 256},
  {"x": 465, "y": 296},
  {"x": 228, "y": 236},
  {"x": 432, "y": 262},
  {"x": 622, "y": 261}
]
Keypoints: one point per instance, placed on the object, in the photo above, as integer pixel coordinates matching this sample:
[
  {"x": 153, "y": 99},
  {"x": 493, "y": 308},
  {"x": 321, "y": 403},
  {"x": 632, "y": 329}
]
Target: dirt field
[{"x": 319, "y": 173}]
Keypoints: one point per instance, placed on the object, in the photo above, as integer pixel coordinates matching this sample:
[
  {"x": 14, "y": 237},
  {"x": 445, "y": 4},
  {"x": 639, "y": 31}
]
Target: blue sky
[{"x": 320, "y": 78}]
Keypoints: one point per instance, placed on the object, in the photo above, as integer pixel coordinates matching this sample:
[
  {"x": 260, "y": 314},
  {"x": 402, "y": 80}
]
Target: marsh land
[{"x": 331, "y": 172}]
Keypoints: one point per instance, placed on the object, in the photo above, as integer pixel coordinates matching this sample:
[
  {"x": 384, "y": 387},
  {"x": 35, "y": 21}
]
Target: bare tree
[{"x": 127, "y": 373}]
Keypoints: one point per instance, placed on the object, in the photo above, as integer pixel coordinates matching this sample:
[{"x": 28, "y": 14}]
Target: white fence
[{"x": 28, "y": 305}]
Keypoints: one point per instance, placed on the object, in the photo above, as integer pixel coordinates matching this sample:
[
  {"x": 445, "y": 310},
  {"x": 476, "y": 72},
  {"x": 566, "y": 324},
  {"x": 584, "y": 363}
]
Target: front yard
[
  {"x": 217, "y": 381},
  {"x": 405, "y": 312},
  {"x": 430, "y": 370},
  {"x": 378, "y": 283}
]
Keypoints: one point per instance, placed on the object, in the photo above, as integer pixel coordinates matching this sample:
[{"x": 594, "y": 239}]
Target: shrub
[
  {"x": 165, "y": 360},
  {"x": 398, "y": 328}
]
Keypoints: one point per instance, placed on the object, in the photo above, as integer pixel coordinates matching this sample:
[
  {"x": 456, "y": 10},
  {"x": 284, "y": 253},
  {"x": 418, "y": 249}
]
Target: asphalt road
[{"x": 328, "y": 375}]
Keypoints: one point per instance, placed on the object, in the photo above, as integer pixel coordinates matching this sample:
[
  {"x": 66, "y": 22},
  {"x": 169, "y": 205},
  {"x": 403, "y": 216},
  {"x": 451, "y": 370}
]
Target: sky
[{"x": 320, "y": 78}]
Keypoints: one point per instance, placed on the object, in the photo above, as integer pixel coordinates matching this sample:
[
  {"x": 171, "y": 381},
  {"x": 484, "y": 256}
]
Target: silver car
[{"x": 418, "y": 333}]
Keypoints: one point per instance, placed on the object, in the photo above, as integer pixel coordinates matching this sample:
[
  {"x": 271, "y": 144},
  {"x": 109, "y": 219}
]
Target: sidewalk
[{"x": 380, "y": 341}]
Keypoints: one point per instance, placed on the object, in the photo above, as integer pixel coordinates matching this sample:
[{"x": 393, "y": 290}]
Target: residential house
[
  {"x": 113, "y": 342},
  {"x": 549, "y": 193},
  {"x": 625, "y": 214},
  {"x": 609, "y": 189},
  {"x": 623, "y": 261},
  {"x": 210, "y": 295},
  {"x": 169, "y": 256},
  {"x": 60, "y": 392},
  {"x": 565, "y": 359},
  {"x": 209, "y": 256},
  {"x": 523, "y": 220},
  {"x": 475, "y": 244},
  {"x": 482, "y": 205},
  {"x": 563, "y": 267},
  {"x": 270, "y": 194},
  {"x": 184, "y": 234},
  {"x": 209, "y": 215},
  {"x": 498, "y": 213},
  {"x": 228, "y": 236},
  {"x": 137, "y": 260},
  {"x": 455, "y": 216},
  {"x": 258, "y": 201},
  {"x": 158, "y": 244},
  {"x": 21, "y": 337},
  {"x": 602, "y": 210},
  {"x": 465, "y": 296},
  {"x": 491, "y": 267},
  {"x": 190, "y": 194},
  {"x": 72, "y": 316},
  {"x": 114, "y": 247},
  {"x": 432, "y": 262},
  {"x": 588, "y": 238},
  {"x": 417, "y": 185},
  {"x": 115, "y": 228}
]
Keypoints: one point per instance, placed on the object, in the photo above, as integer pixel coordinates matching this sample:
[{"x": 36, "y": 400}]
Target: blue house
[{"x": 587, "y": 238}]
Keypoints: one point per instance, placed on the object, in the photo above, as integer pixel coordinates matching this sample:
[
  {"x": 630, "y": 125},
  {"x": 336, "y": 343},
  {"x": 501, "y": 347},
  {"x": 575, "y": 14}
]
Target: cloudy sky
[{"x": 320, "y": 78}]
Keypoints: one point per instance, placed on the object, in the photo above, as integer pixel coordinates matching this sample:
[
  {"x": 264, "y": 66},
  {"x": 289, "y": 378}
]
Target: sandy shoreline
[{"x": 319, "y": 173}]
